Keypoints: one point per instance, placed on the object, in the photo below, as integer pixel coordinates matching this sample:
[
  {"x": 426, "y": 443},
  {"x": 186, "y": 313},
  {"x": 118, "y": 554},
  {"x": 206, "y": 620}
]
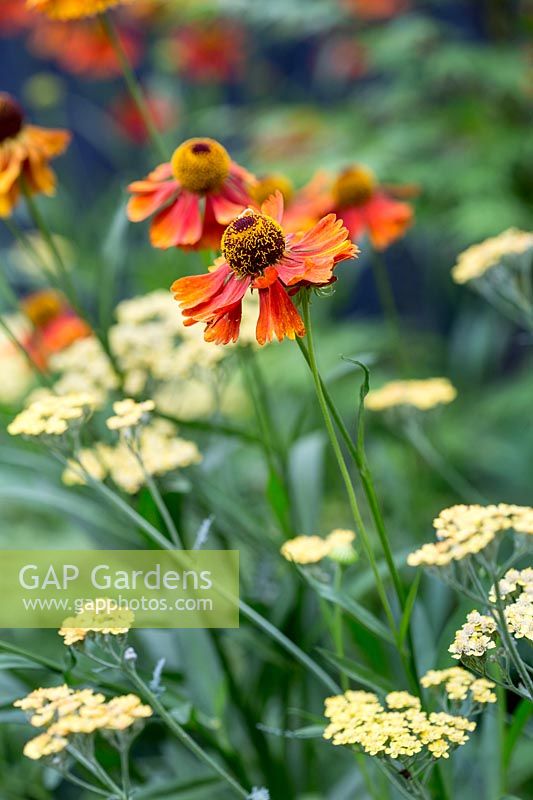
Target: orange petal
[{"x": 277, "y": 315}]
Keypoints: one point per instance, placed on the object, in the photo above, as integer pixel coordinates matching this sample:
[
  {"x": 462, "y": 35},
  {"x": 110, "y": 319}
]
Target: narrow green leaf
[
  {"x": 409, "y": 607},
  {"x": 520, "y": 717},
  {"x": 357, "y": 672},
  {"x": 8, "y": 661},
  {"x": 362, "y": 615}
]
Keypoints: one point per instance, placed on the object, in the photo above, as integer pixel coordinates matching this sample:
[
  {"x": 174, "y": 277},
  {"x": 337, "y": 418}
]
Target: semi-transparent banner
[{"x": 96, "y": 588}]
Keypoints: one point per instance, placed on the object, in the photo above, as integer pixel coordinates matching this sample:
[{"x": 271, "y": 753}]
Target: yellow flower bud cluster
[
  {"x": 65, "y": 712},
  {"x": 459, "y": 684},
  {"x": 516, "y": 587},
  {"x": 476, "y": 260},
  {"x": 399, "y": 728},
  {"x": 421, "y": 394},
  {"x": 129, "y": 414},
  {"x": 475, "y": 637},
  {"x": 52, "y": 415},
  {"x": 312, "y": 549},
  {"x": 113, "y": 621},
  {"x": 466, "y": 530}
]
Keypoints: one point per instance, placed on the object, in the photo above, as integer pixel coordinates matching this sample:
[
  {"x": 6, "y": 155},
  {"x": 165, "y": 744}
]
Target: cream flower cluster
[
  {"x": 475, "y": 637},
  {"x": 312, "y": 549},
  {"x": 459, "y": 684},
  {"x": 113, "y": 621},
  {"x": 422, "y": 394},
  {"x": 129, "y": 414},
  {"x": 476, "y": 260},
  {"x": 52, "y": 415},
  {"x": 466, "y": 530},
  {"x": 517, "y": 585},
  {"x": 65, "y": 712},
  {"x": 398, "y": 729},
  {"x": 159, "y": 450}
]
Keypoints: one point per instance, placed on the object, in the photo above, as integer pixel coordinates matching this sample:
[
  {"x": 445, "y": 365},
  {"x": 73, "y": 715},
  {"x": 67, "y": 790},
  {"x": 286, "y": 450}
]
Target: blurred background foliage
[{"x": 437, "y": 95}]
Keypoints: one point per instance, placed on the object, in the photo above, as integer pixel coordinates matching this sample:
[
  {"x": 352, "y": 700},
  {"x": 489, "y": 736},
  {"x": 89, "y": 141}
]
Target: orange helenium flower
[
  {"x": 25, "y": 151},
  {"x": 73, "y": 9},
  {"x": 199, "y": 192},
  {"x": 366, "y": 207},
  {"x": 258, "y": 254}
]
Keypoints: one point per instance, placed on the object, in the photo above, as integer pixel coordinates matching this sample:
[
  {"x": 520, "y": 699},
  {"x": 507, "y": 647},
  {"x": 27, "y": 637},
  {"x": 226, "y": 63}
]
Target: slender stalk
[
  {"x": 508, "y": 640},
  {"x": 124, "y": 751},
  {"x": 158, "y": 499},
  {"x": 182, "y": 735},
  {"x": 343, "y": 469},
  {"x": 132, "y": 84},
  {"x": 337, "y": 626},
  {"x": 95, "y": 769},
  {"x": 389, "y": 307}
]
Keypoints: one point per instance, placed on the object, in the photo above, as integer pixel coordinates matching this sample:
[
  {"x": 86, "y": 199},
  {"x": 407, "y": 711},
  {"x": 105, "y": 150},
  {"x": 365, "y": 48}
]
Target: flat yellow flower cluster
[
  {"x": 518, "y": 586},
  {"x": 476, "y": 260},
  {"x": 465, "y": 530},
  {"x": 129, "y": 413},
  {"x": 475, "y": 637},
  {"x": 312, "y": 549},
  {"x": 159, "y": 451},
  {"x": 459, "y": 683},
  {"x": 114, "y": 621},
  {"x": 398, "y": 729},
  {"x": 421, "y": 394},
  {"x": 52, "y": 415},
  {"x": 65, "y": 712}
]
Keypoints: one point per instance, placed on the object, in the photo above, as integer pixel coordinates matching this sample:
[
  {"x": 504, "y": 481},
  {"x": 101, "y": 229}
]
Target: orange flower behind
[
  {"x": 73, "y": 9},
  {"x": 257, "y": 254},
  {"x": 193, "y": 197},
  {"x": 366, "y": 207},
  {"x": 55, "y": 326},
  {"x": 303, "y": 207},
  {"x": 25, "y": 153}
]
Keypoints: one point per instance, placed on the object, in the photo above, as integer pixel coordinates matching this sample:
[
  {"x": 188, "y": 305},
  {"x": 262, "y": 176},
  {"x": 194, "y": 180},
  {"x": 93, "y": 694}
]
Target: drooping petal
[
  {"x": 230, "y": 292},
  {"x": 195, "y": 289},
  {"x": 277, "y": 315},
  {"x": 178, "y": 224},
  {"x": 225, "y": 327},
  {"x": 149, "y": 199},
  {"x": 312, "y": 256}
]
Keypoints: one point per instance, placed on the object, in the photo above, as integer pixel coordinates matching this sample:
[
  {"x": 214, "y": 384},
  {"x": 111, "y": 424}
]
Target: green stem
[
  {"x": 182, "y": 735},
  {"x": 343, "y": 469},
  {"x": 95, "y": 769},
  {"x": 389, "y": 307},
  {"x": 337, "y": 626},
  {"x": 132, "y": 84}
]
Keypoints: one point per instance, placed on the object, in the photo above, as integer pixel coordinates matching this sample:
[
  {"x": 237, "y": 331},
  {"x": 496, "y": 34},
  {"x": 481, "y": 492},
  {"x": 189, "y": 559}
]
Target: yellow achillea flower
[
  {"x": 399, "y": 728},
  {"x": 52, "y": 415},
  {"x": 64, "y": 712},
  {"x": 312, "y": 549},
  {"x": 517, "y": 586},
  {"x": 129, "y": 413},
  {"x": 113, "y": 621},
  {"x": 476, "y": 260},
  {"x": 475, "y": 637},
  {"x": 459, "y": 683},
  {"x": 73, "y": 9},
  {"x": 465, "y": 530},
  {"x": 422, "y": 394}
]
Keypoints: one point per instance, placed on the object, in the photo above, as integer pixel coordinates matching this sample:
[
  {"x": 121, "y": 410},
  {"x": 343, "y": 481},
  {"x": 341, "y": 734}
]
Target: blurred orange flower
[
  {"x": 303, "y": 207},
  {"x": 73, "y": 9},
  {"x": 195, "y": 195},
  {"x": 25, "y": 151},
  {"x": 14, "y": 17},
  {"x": 130, "y": 121},
  {"x": 55, "y": 325},
  {"x": 257, "y": 254},
  {"x": 366, "y": 207},
  {"x": 376, "y": 9},
  {"x": 207, "y": 52},
  {"x": 82, "y": 48}
]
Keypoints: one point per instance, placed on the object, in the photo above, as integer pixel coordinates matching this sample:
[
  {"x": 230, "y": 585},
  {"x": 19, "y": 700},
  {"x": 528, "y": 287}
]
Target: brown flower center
[
  {"x": 354, "y": 186},
  {"x": 201, "y": 165},
  {"x": 11, "y": 117},
  {"x": 251, "y": 243}
]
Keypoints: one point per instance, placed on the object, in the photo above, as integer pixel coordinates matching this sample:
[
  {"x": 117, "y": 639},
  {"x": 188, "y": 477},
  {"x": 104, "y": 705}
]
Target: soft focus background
[{"x": 436, "y": 95}]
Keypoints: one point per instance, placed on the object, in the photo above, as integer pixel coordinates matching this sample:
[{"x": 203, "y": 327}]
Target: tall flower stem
[
  {"x": 337, "y": 631},
  {"x": 181, "y": 734},
  {"x": 341, "y": 463},
  {"x": 389, "y": 307},
  {"x": 132, "y": 84}
]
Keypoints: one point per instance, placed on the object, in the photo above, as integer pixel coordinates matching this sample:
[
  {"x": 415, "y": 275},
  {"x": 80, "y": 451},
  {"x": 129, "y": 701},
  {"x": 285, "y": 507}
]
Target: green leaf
[
  {"x": 357, "y": 672},
  {"x": 521, "y": 715},
  {"x": 306, "y": 472},
  {"x": 9, "y": 661},
  {"x": 409, "y": 607},
  {"x": 362, "y": 615}
]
